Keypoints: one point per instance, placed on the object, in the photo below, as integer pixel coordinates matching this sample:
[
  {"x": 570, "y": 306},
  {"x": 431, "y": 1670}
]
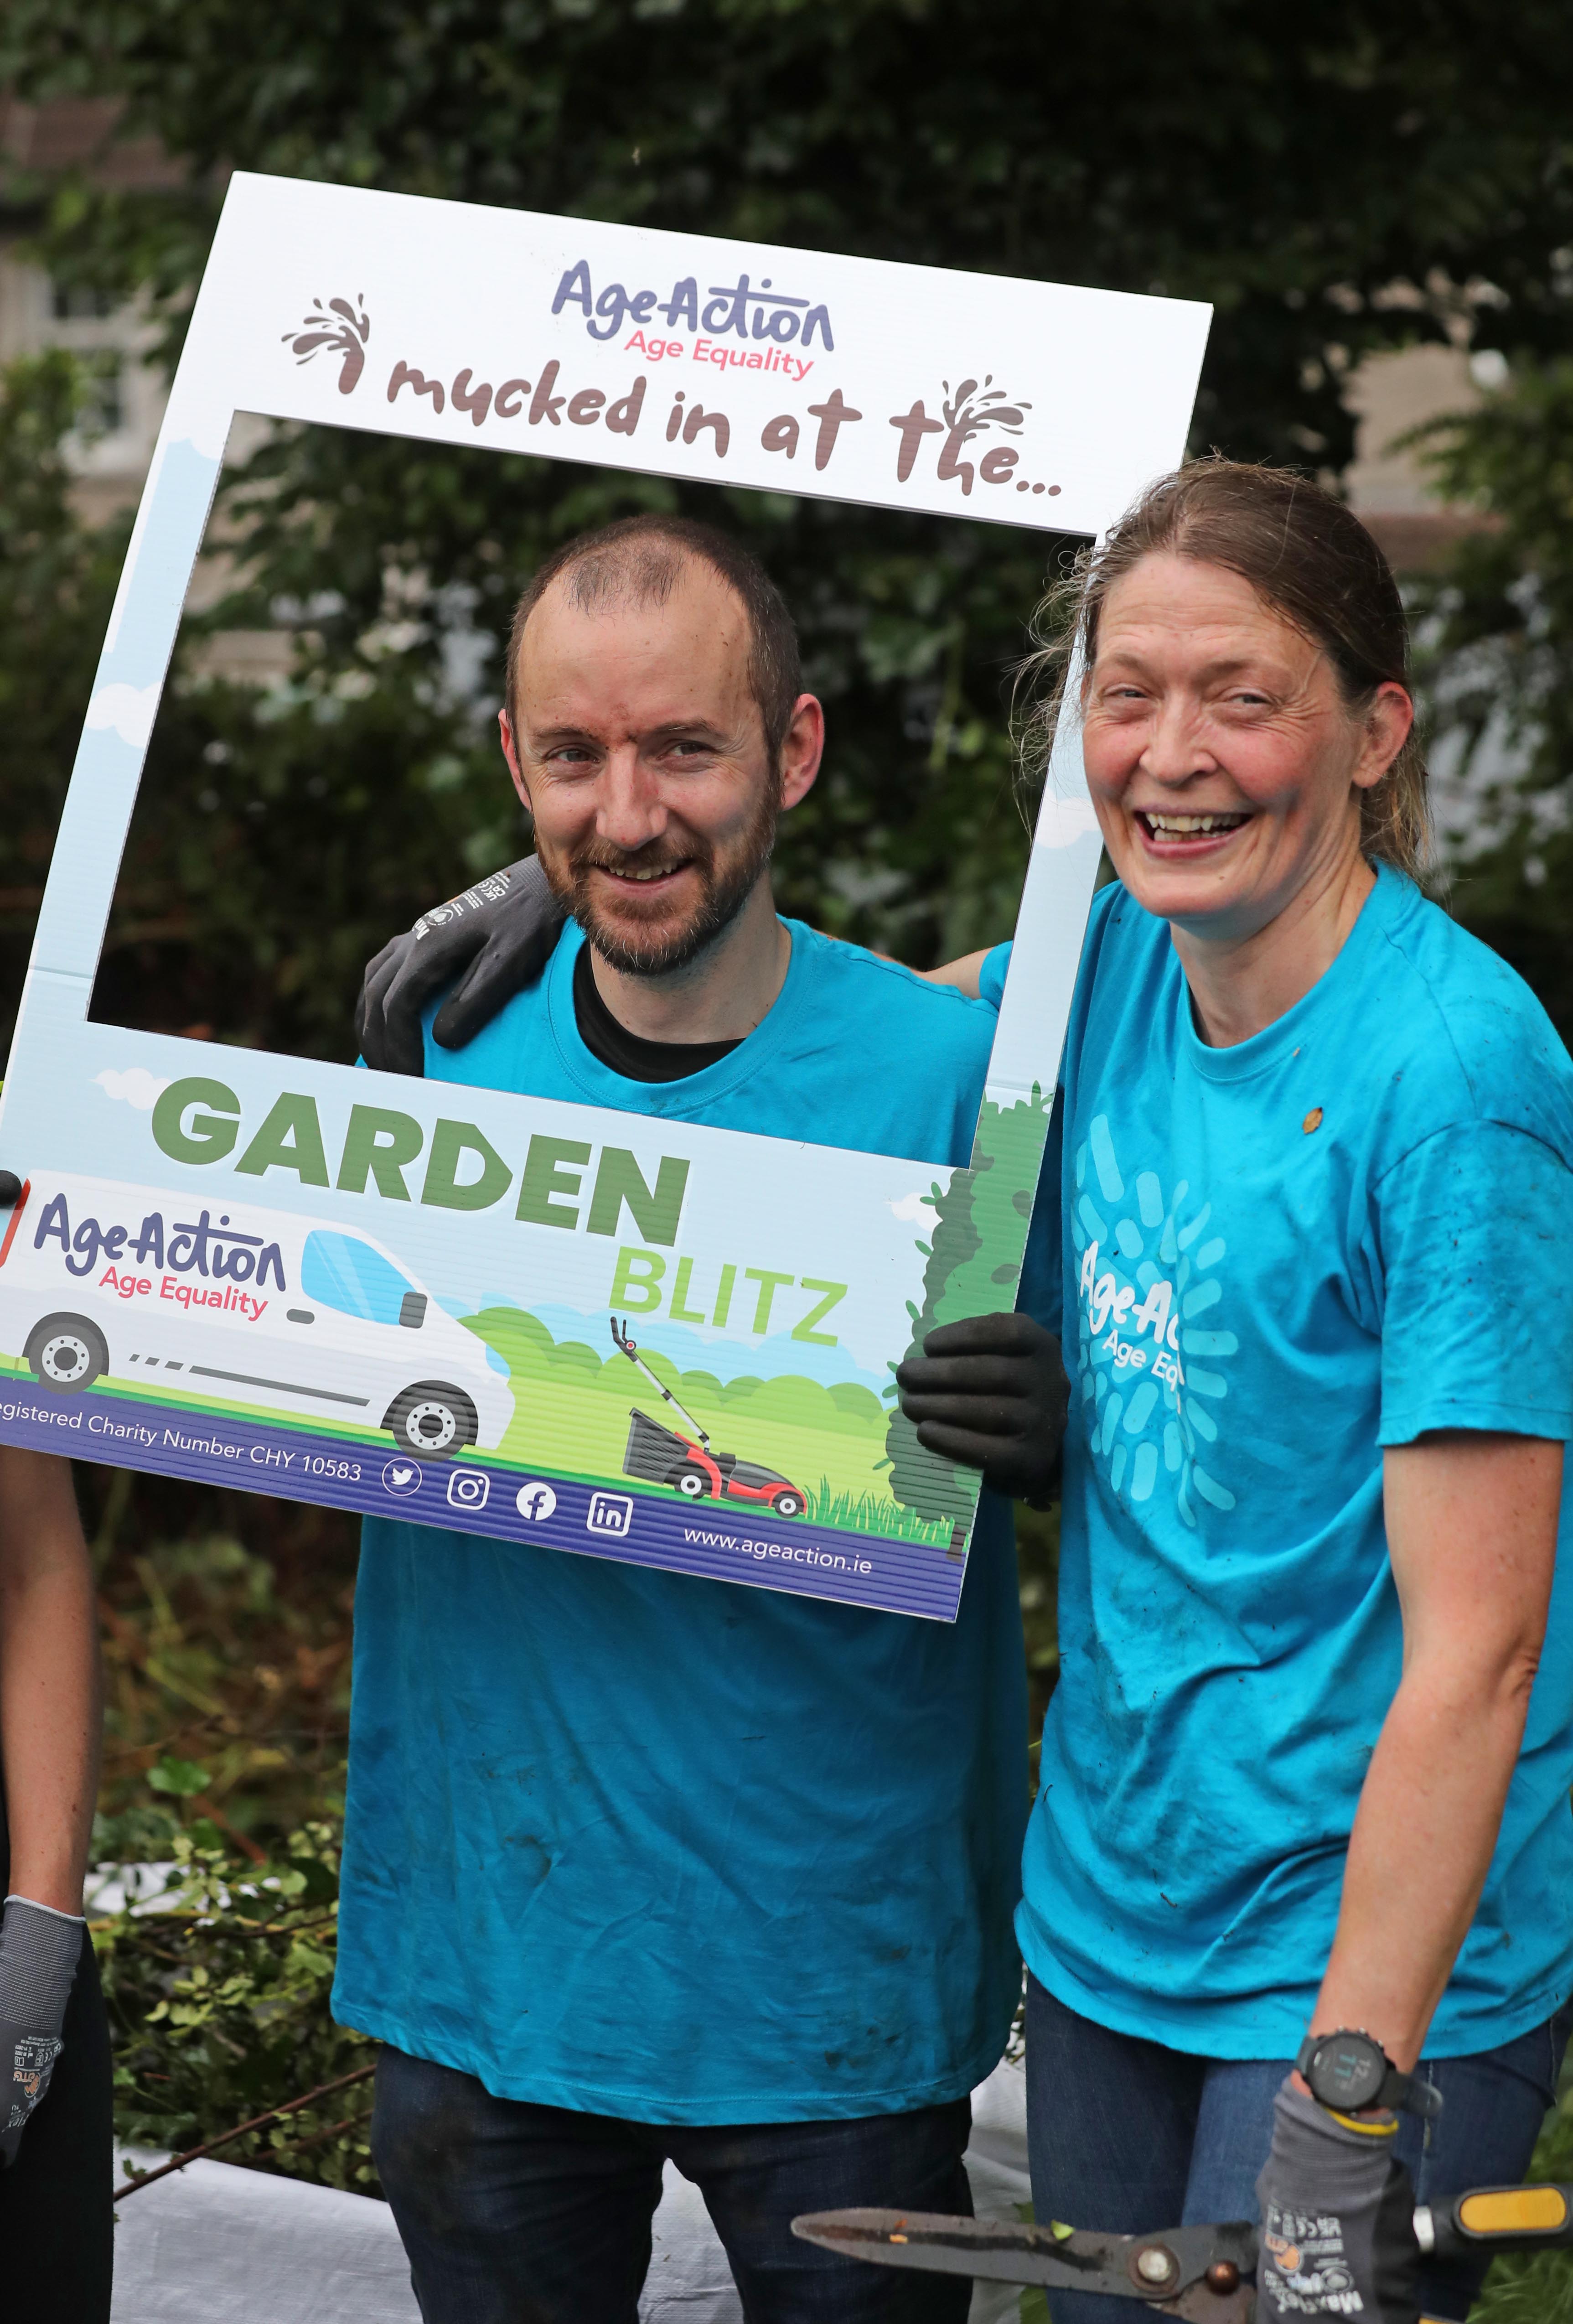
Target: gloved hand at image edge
[
  {"x": 991, "y": 1393},
  {"x": 1337, "y": 2219},
  {"x": 493, "y": 939},
  {"x": 38, "y": 1952}
]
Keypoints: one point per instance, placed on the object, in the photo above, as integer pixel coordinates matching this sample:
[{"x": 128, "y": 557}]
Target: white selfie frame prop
[{"x": 730, "y": 363}]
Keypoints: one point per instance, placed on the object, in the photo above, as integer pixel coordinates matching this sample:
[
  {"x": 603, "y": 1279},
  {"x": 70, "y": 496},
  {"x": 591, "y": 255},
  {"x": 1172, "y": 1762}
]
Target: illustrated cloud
[
  {"x": 913, "y": 1209},
  {"x": 136, "y": 1087},
  {"x": 125, "y": 710}
]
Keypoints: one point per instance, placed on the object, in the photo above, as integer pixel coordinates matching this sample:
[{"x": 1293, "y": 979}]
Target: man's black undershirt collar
[{"x": 626, "y": 1053}]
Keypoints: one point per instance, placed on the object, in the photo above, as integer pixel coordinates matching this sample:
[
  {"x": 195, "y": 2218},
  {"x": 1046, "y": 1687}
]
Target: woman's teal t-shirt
[{"x": 1272, "y": 1261}]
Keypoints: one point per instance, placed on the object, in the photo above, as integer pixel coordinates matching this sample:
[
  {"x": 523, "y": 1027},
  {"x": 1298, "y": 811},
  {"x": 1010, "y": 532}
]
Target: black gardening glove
[
  {"x": 992, "y": 1394},
  {"x": 1337, "y": 2219},
  {"x": 495, "y": 939},
  {"x": 38, "y": 1952}
]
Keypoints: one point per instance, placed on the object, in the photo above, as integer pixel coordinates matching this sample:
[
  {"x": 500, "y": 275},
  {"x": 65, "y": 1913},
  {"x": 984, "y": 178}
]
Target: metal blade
[{"x": 1171, "y": 2271}]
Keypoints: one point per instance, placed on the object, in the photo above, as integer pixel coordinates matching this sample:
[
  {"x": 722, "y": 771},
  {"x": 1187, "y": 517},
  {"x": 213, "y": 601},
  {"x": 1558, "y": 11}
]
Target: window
[
  {"x": 81, "y": 302},
  {"x": 104, "y": 413},
  {"x": 340, "y": 1271}
]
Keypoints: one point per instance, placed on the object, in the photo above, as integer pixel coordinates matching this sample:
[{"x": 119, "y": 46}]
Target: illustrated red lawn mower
[{"x": 662, "y": 1456}]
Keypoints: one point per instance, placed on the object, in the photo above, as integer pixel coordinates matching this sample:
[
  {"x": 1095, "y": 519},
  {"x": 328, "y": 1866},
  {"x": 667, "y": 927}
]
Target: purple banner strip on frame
[{"x": 484, "y": 1496}]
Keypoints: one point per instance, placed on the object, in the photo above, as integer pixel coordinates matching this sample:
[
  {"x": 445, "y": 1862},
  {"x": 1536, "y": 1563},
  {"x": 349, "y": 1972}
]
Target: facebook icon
[{"x": 535, "y": 1502}]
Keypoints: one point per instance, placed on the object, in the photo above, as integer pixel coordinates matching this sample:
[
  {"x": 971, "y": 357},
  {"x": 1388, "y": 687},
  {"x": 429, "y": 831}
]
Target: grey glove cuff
[
  {"x": 492, "y": 889},
  {"x": 39, "y": 1951},
  {"x": 1338, "y": 2211}
]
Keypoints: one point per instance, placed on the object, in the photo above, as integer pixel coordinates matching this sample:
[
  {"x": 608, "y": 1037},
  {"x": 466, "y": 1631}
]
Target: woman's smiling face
[{"x": 1222, "y": 759}]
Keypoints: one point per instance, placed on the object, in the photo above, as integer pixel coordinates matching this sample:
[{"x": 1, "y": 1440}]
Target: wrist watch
[{"x": 1347, "y": 2070}]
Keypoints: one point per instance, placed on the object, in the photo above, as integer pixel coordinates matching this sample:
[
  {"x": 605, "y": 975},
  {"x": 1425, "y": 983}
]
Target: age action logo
[
  {"x": 765, "y": 324},
  {"x": 739, "y": 309}
]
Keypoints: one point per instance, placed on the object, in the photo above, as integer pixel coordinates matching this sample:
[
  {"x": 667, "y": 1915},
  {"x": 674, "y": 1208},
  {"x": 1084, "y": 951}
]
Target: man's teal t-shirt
[
  {"x": 682, "y": 1850},
  {"x": 1276, "y": 1259}
]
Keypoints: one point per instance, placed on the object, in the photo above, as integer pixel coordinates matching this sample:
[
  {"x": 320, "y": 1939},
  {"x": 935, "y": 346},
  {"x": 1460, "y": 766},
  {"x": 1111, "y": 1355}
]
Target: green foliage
[
  {"x": 185, "y": 1778},
  {"x": 283, "y": 830},
  {"x": 1498, "y": 624},
  {"x": 789, "y": 1423},
  {"x": 873, "y": 1513},
  {"x": 1007, "y": 1154},
  {"x": 920, "y": 1479},
  {"x": 1037, "y": 1557},
  {"x": 1287, "y": 168},
  {"x": 974, "y": 1265},
  {"x": 226, "y": 1634},
  {"x": 219, "y": 1997},
  {"x": 1261, "y": 159},
  {"x": 57, "y": 581},
  {"x": 531, "y": 1353},
  {"x": 227, "y": 1662}
]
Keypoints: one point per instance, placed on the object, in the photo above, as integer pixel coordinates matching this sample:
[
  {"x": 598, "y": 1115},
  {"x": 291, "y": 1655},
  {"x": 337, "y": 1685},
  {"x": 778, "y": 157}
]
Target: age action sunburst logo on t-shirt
[{"x": 1149, "y": 1340}]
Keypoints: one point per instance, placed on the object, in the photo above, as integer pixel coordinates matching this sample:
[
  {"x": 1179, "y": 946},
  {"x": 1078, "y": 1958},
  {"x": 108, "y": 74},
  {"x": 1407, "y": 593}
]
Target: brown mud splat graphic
[
  {"x": 970, "y": 411},
  {"x": 347, "y": 338}
]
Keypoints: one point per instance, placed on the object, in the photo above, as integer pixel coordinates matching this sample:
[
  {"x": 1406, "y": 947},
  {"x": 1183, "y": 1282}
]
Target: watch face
[{"x": 1347, "y": 2072}]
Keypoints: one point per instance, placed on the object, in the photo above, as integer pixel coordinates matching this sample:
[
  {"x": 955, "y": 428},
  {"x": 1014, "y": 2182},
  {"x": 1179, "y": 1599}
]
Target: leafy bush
[
  {"x": 218, "y": 1995},
  {"x": 226, "y": 1664},
  {"x": 225, "y": 1629},
  {"x": 1497, "y": 623}
]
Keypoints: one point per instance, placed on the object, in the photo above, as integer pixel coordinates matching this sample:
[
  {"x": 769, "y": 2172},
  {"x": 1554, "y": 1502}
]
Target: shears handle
[
  {"x": 1498, "y": 2218},
  {"x": 1489, "y": 2219}
]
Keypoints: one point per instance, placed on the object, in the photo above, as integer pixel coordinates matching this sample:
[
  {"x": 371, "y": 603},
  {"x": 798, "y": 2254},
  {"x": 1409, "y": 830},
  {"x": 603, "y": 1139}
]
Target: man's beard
[{"x": 722, "y": 894}]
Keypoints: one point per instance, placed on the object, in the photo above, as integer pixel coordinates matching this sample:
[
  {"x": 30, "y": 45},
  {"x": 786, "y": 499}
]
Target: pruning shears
[{"x": 1203, "y": 2275}]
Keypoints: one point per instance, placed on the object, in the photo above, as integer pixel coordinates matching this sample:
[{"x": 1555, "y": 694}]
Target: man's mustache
[{"x": 596, "y": 855}]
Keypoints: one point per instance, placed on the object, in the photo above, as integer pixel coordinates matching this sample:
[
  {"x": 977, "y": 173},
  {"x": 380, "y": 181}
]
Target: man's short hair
[{"x": 640, "y": 559}]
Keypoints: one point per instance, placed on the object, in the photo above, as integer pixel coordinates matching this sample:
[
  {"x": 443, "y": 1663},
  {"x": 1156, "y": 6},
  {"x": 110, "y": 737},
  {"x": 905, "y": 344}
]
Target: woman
[
  {"x": 1308, "y": 1204},
  {"x": 1313, "y": 1216},
  {"x": 56, "y": 2223}
]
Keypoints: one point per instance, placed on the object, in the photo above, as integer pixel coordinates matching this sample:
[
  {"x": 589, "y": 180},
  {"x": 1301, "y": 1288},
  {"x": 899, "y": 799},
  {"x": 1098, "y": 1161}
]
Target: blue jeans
[
  {"x": 1129, "y": 2136},
  {"x": 520, "y": 2214}
]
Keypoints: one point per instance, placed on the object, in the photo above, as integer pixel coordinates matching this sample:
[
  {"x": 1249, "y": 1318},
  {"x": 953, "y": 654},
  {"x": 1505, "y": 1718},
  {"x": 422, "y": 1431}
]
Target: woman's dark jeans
[{"x": 1129, "y": 2136}]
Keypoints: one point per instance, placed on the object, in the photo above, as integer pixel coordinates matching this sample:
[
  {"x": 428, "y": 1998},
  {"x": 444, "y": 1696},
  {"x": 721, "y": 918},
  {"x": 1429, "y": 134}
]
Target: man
[{"x": 638, "y": 1867}]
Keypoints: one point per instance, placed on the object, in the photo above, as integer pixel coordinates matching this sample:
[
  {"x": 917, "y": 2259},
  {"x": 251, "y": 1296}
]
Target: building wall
[
  {"x": 110, "y": 455},
  {"x": 37, "y": 146},
  {"x": 1387, "y": 482}
]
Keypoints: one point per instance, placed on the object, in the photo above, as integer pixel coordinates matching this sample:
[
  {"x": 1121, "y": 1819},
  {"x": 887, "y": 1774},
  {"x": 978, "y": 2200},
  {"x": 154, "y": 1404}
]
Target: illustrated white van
[{"x": 238, "y": 1305}]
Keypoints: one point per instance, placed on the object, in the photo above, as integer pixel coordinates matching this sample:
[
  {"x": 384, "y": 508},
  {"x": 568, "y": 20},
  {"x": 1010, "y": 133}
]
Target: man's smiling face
[{"x": 640, "y": 752}]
